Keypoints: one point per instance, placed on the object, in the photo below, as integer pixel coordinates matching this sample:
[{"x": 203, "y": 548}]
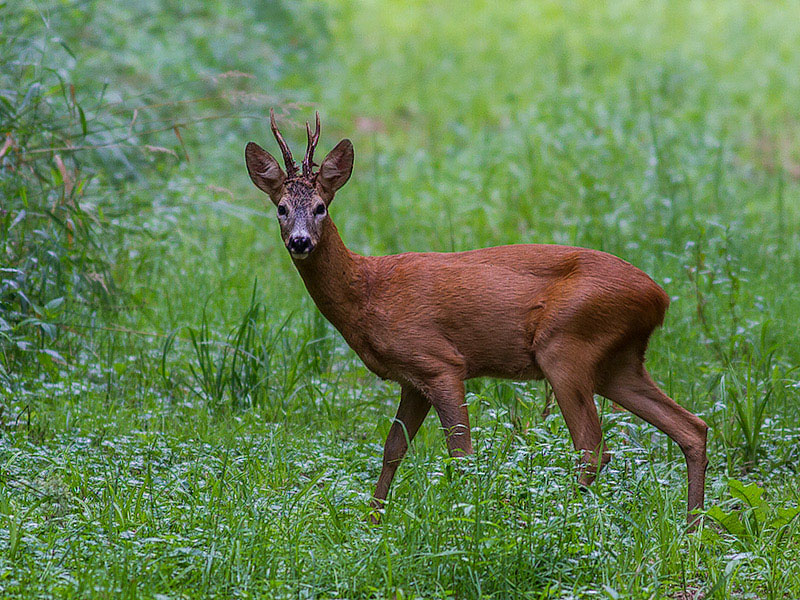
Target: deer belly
[
  {"x": 507, "y": 362},
  {"x": 498, "y": 352}
]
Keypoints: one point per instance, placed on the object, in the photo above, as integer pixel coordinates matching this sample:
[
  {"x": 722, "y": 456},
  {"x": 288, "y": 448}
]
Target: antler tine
[
  {"x": 308, "y": 161},
  {"x": 291, "y": 167}
]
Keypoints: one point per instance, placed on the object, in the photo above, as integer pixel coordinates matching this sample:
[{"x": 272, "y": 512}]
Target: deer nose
[{"x": 300, "y": 244}]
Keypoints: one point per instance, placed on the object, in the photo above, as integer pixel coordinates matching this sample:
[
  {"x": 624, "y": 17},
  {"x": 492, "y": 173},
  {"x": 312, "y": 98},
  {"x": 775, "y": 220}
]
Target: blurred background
[{"x": 145, "y": 293}]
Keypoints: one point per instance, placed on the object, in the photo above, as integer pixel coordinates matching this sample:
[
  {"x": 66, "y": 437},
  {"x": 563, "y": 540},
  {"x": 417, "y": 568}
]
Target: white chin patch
[{"x": 297, "y": 256}]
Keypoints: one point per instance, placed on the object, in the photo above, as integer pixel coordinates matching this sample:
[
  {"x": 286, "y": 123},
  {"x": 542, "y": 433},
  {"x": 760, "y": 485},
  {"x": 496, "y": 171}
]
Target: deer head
[{"x": 301, "y": 198}]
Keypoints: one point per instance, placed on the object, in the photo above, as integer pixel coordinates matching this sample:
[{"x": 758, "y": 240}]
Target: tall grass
[
  {"x": 67, "y": 156},
  {"x": 170, "y": 429}
]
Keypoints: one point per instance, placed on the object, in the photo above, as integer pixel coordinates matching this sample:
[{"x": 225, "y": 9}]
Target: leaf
[
  {"x": 84, "y": 129},
  {"x": 6, "y": 105},
  {"x": 729, "y": 520},
  {"x": 785, "y": 516},
  {"x": 762, "y": 514},
  {"x": 749, "y": 494},
  {"x": 64, "y": 45},
  {"x": 49, "y": 329},
  {"x": 709, "y": 536},
  {"x": 54, "y": 304},
  {"x": 33, "y": 91},
  {"x": 20, "y": 215}
]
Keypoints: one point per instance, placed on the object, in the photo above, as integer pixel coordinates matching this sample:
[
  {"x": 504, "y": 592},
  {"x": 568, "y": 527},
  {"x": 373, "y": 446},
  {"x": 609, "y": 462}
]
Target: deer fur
[{"x": 429, "y": 321}]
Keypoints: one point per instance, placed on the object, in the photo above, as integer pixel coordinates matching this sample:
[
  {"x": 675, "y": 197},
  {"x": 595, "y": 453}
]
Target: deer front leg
[{"x": 410, "y": 415}]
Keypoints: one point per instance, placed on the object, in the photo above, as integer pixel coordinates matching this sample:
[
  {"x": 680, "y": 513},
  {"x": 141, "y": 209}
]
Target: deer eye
[
  {"x": 281, "y": 210},
  {"x": 319, "y": 210}
]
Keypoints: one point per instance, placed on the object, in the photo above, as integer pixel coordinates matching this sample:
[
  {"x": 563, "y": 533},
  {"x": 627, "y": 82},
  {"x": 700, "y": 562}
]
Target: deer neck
[{"x": 334, "y": 277}]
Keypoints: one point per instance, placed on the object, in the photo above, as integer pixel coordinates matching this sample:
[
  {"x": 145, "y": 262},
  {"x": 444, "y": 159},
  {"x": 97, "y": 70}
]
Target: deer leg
[
  {"x": 573, "y": 388},
  {"x": 410, "y": 415},
  {"x": 447, "y": 397},
  {"x": 634, "y": 389}
]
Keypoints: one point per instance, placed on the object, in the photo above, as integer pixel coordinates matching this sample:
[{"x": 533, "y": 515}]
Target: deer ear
[
  {"x": 335, "y": 170},
  {"x": 264, "y": 170}
]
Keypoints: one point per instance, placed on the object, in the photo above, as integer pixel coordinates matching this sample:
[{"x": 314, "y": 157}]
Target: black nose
[{"x": 300, "y": 244}]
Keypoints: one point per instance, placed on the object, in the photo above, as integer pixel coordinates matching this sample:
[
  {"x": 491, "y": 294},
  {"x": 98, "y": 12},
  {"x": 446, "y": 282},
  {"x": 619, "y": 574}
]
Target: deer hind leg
[
  {"x": 573, "y": 388},
  {"x": 446, "y": 394},
  {"x": 632, "y": 387},
  {"x": 410, "y": 414}
]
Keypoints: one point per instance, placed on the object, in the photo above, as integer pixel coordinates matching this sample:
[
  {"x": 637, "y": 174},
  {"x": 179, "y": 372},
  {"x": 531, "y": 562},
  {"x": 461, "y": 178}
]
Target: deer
[{"x": 577, "y": 317}]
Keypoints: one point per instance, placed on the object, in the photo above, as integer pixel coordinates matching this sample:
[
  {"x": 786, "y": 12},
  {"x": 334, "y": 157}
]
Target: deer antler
[
  {"x": 308, "y": 161},
  {"x": 291, "y": 167}
]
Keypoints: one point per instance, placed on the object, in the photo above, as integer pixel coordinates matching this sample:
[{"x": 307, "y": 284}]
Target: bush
[{"x": 65, "y": 156}]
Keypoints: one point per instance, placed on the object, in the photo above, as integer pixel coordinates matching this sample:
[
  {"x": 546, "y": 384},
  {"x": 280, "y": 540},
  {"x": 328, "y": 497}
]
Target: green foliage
[
  {"x": 48, "y": 230},
  {"x": 760, "y": 534},
  {"x": 253, "y": 365},
  {"x": 63, "y": 167},
  {"x": 168, "y": 429},
  {"x": 754, "y": 517}
]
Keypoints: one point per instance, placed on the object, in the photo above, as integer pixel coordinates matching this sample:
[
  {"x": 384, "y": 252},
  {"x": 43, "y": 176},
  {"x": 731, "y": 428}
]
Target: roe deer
[{"x": 579, "y": 318}]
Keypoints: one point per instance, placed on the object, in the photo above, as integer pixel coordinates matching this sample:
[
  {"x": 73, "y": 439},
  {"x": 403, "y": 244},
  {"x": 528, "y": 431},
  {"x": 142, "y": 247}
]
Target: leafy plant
[{"x": 751, "y": 516}]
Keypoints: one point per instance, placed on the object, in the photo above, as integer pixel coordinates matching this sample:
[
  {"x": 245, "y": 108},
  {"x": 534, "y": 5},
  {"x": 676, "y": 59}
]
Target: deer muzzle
[{"x": 300, "y": 246}]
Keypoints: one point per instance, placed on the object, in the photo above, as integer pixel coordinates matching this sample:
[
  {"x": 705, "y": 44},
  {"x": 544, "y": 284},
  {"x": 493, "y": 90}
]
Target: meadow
[{"x": 177, "y": 420}]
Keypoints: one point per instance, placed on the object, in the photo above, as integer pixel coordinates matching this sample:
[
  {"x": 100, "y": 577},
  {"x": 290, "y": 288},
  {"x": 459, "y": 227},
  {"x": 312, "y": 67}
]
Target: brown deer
[{"x": 579, "y": 318}]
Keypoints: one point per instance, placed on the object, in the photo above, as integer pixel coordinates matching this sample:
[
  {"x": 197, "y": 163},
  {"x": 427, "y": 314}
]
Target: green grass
[{"x": 200, "y": 431}]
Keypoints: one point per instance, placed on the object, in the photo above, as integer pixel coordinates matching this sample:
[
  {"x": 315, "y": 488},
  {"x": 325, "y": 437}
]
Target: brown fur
[{"x": 578, "y": 317}]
